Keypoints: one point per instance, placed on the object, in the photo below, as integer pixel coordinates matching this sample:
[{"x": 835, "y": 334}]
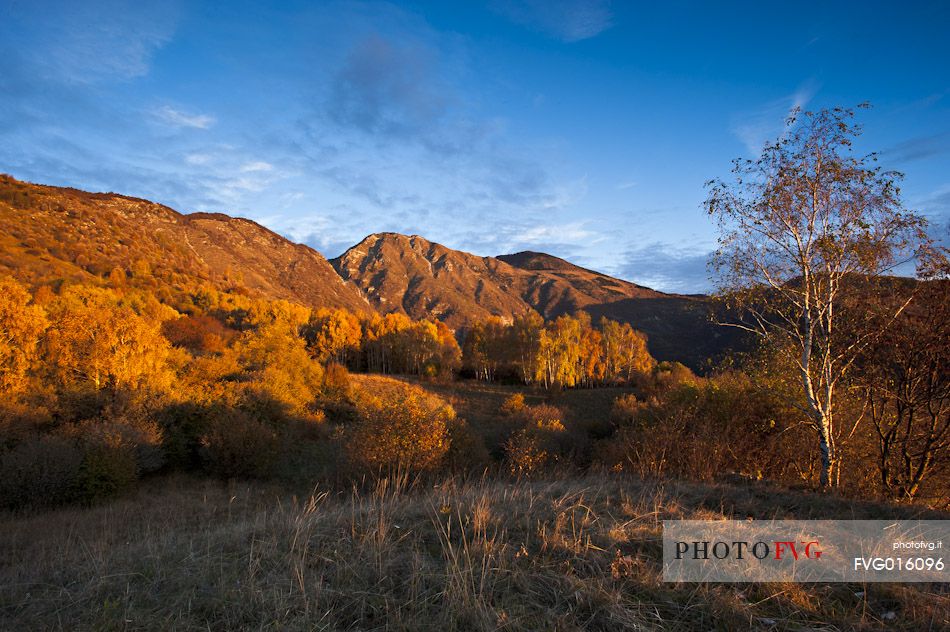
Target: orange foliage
[
  {"x": 564, "y": 353},
  {"x": 198, "y": 334},
  {"x": 400, "y": 426},
  {"x": 21, "y": 324}
]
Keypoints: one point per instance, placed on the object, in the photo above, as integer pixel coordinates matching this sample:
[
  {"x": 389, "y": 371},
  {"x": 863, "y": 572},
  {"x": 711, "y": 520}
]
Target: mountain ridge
[
  {"x": 52, "y": 235},
  {"x": 56, "y": 234},
  {"x": 423, "y": 279}
]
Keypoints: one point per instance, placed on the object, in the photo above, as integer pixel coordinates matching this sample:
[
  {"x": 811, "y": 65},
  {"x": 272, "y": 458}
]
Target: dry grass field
[{"x": 556, "y": 554}]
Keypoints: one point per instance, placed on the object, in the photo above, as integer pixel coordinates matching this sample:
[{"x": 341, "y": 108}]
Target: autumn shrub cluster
[
  {"x": 751, "y": 424},
  {"x": 537, "y": 439},
  {"x": 401, "y": 427},
  {"x": 116, "y": 380},
  {"x": 704, "y": 429},
  {"x": 101, "y": 385}
]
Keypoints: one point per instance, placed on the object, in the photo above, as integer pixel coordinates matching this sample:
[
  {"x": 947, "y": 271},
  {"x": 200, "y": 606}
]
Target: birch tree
[{"x": 797, "y": 226}]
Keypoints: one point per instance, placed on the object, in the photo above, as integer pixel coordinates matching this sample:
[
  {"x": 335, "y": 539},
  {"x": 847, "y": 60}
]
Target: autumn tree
[
  {"x": 448, "y": 354},
  {"x": 333, "y": 335},
  {"x": 624, "y": 350},
  {"x": 525, "y": 343},
  {"x": 559, "y": 355},
  {"x": 97, "y": 340},
  {"x": 21, "y": 325},
  {"x": 382, "y": 343},
  {"x": 795, "y": 225},
  {"x": 564, "y": 353},
  {"x": 198, "y": 334},
  {"x": 419, "y": 346},
  {"x": 592, "y": 368},
  {"x": 280, "y": 313},
  {"x": 905, "y": 379},
  {"x": 485, "y": 348},
  {"x": 275, "y": 356}
]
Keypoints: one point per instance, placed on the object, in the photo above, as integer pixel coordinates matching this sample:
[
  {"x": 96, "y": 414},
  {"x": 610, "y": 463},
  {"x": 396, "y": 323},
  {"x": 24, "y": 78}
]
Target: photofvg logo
[
  {"x": 704, "y": 549},
  {"x": 804, "y": 550}
]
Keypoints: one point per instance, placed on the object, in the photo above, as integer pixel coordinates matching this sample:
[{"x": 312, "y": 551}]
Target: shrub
[
  {"x": 293, "y": 388},
  {"x": 139, "y": 436},
  {"x": 702, "y": 431},
  {"x": 467, "y": 449},
  {"x": 39, "y": 471},
  {"x": 514, "y": 405},
  {"x": 20, "y": 421},
  {"x": 544, "y": 417},
  {"x": 625, "y": 409},
  {"x": 336, "y": 382},
  {"x": 402, "y": 426},
  {"x": 183, "y": 426},
  {"x": 306, "y": 453},
  {"x": 668, "y": 376},
  {"x": 106, "y": 470},
  {"x": 525, "y": 453},
  {"x": 237, "y": 445}
]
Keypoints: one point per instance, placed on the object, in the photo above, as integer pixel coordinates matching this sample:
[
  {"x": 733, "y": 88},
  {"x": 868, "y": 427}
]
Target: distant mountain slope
[
  {"x": 398, "y": 273},
  {"x": 557, "y": 286},
  {"x": 410, "y": 274},
  {"x": 48, "y": 234}
]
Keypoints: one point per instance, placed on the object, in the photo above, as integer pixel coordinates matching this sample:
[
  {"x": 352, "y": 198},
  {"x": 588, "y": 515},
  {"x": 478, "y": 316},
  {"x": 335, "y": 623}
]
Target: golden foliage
[
  {"x": 278, "y": 364},
  {"x": 400, "y": 426},
  {"x": 525, "y": 453},
  {"x": 565, "y": 353},
  {"x": 333, "y": 335},
  {"x": 95, "y": 339},
  {"x": 21, "y": 324},
  {"x": 513, "y": 405},
  {"x": 544, "y": 417},
  {"x": 336, "y": 382}
]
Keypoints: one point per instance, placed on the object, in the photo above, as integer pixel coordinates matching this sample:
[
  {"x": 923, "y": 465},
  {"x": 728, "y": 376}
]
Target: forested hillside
[{"x": 51, "y": 235}]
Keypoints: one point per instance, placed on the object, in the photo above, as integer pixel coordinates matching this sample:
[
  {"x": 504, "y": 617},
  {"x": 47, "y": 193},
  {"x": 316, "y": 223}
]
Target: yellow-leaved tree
[
  {"x": 21, "y": 325},
  {"x": 333, "y": 335},
  {"x": 275, "y": 355},
  {"x": 95, "y": 339}
]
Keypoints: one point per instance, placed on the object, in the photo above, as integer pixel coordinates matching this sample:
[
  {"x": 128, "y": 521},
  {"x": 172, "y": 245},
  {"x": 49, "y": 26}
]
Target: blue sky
[{"x": 581, "y": 128}]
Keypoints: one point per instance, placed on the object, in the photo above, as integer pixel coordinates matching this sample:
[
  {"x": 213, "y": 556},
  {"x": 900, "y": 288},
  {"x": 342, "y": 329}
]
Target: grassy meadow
[{"x": 557, "y": 551}]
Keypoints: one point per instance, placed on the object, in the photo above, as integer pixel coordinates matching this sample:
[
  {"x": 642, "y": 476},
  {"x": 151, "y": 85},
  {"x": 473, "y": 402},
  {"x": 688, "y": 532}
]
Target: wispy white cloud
[
  {"x": 257, "y": 165},
  {"x": 395, "y": 129},
  {"x": 176, "y": 118},
  {"x": 935, "y": 205},
  {"x": 198, "y": 159},
  {"x": 89, "y": 42},
  {"x": 389, "y": 87},
  {"x": 757, "y": 127},
  {"x": 566, "y": 20},
  {"x": 667, "y": 267},
  {"x": 570, "y": 232},
  {"x": 918, "y": 148}
]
